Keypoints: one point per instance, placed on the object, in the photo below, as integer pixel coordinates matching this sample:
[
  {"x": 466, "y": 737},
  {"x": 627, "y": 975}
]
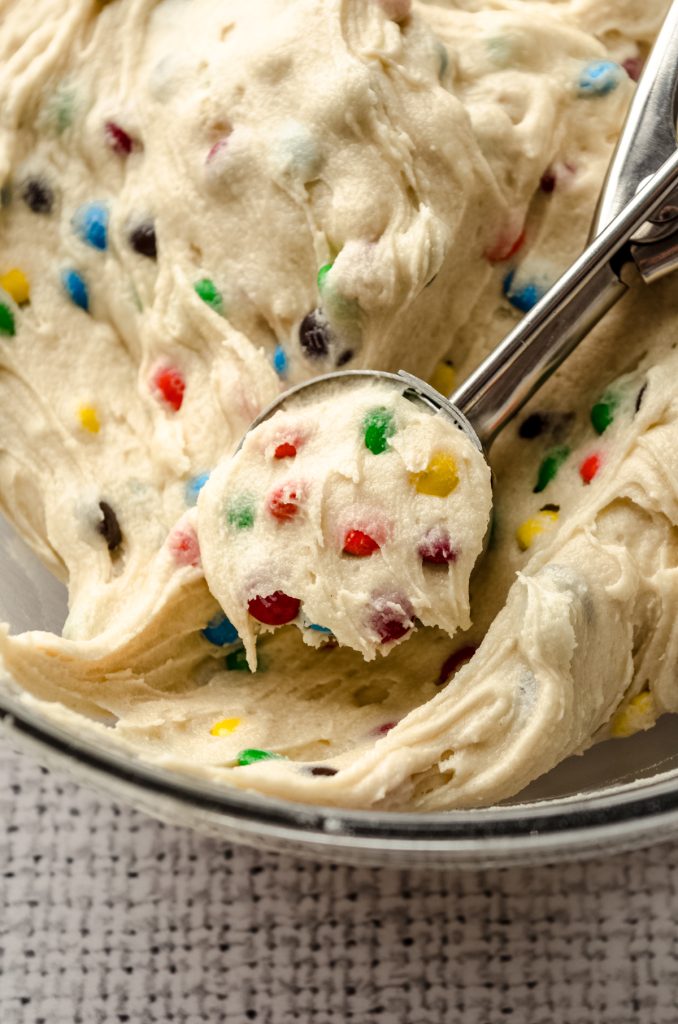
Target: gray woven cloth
[{"x": 109, "y": 917}]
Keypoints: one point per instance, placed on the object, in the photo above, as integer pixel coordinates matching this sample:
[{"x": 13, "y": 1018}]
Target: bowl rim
[{"x": 641, "y": 808}]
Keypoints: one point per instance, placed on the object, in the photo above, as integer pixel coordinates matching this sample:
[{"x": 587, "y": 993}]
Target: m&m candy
[
  {"x": 240, "y": 512},
  {"x": 440, "y": 477},
  {"x": 315, "y": 335},
  {"x": 117, "y": 139},
  {"x": 220, "y": 631},
  {"x": 252, "y": 756},
  {"x": 359, "y": 544},
  {"x": 184, "y": 547},
  {"x": 143, "y": 240},
  {"x": 16, "y": 284},
  {"x": 225, "y": 727},
  {"x": 285, "y": 501},
  {"x": 602, "y": 413},
  {"x": 236, "y": 661},
  {"x": 89, "y": 419},
  {"x": 532, "y": 426},
  {"x": 38, "y": 195},
  {"x": 322, "y": 274},
  {"x": 76, "y": 288},
  {"x": 436, "y": 548},
  {"x": 275, "y": 609},
  {"x": 454, "y": 662},
  {"x": 633, "y": 67},
  {"x": 280, "y": 361},
  {"x": 549, "y": 466},
  {"x": 522, "y": 296},
  {"x": 109, "y": 527},
  {"x": 589, "y": 467},
  {"x": 599, "y": 77},
  {"x": 194, "y": 486},
  {"x": 7, "y": 322},
  {"x": 391, "y": 618},
  {"x": 444, "y": 377},
  {"x": 378, "y": 427},
  {"x": 206, "y": 289},
  {"x": 90, "y": 223},
  {"x": 285, "y": 450},
  {"x": 640, "y": 713},
  {"x": 170, "y": 385},
  {"x": 530, "y": 529}
]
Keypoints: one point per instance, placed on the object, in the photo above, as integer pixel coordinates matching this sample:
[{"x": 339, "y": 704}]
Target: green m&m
[{"x": 378, "y": 426}]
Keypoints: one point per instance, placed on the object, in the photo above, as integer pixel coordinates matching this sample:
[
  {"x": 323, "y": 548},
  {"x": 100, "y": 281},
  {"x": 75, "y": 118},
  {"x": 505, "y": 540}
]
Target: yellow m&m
[
  {"x": 640, "y": 713},
  {"x": 440, "y": 477},
  {"x": 444, "y": 377},
  {"x": 89, "y": 419},
  {"x": 225, "y": 727},
  {"x": 530, "y": 529},
  {"x": 15, "y": 283}
]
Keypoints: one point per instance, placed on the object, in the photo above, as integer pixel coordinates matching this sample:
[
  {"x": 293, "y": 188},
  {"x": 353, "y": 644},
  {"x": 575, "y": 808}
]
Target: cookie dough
[
  {"x": 354, "y": 512},
  {"x": 204, "y": 203}
]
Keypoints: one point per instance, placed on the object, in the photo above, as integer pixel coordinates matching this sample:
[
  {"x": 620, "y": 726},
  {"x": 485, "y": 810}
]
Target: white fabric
[{"x": 109, "y": 917}]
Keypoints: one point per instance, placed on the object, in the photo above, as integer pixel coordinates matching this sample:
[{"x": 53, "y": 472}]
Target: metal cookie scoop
[
  {"x": 636, "y": 225},
  {"x": 552, "y": 329},
  {"x": 642, "y": 230}
]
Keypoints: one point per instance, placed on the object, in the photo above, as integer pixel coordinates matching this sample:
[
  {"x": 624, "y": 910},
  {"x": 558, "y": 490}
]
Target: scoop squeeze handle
[{"x": 553, "y": 328}]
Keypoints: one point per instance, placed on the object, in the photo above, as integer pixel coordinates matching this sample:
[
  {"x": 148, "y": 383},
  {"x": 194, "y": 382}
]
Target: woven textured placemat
[{"x": 109, "y": 917}]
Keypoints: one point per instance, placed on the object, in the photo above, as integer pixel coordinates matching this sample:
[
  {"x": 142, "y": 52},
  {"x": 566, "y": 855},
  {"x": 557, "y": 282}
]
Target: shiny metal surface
[
  {"x": 648, "y": 137},
  {"x": 553, "y": 328},
  {"x": 411, "y": 387}
]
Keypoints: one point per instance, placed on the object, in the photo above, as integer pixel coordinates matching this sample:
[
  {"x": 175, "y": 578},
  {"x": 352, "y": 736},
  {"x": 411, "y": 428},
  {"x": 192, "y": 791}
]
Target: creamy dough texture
[
  {"x": 205, "y": 202},
  {"x": 354, "y": 511}
]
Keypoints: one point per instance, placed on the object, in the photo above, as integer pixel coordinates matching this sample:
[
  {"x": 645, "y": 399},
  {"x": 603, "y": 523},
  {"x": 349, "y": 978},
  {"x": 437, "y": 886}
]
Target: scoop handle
[
  {"x": 648, "y": 136},
  {"x": 553, "y": 328}
]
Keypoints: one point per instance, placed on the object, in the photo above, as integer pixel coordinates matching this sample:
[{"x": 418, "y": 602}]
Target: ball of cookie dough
[{"x": 354, "y": 514}]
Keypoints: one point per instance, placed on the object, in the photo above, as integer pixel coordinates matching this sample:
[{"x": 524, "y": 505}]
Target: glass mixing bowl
[{"x": 619, "y": 795}]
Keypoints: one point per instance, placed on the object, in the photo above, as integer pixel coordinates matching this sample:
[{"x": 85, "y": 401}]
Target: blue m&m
[
  {"x": 599, "y": 77},
  {"x": 75, "y": 287},
  {"x": 194, "y": 487},
  {"x": 522, "y": 296},
  {"x": 90, "y": 223},
  {"x": 280, "y": 361},
  {"x": 220, "y": 631}
]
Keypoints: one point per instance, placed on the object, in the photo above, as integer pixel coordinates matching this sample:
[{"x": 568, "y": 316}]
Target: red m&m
[
  {"x": 391, "y": 618},
  {"x": 589, "y": 467},
  {"x": 170, "y": 384},
  {"x": 275, "y": 609},
  {"x": 454, "y": 662},
  {"x": 360, "y": 544},
  {"x": 285, "y": 501},
  {"x": 285, "y": 450},
  {"x": 118, "y": 139},
  {"x": 184, "y": 546},
  {"x": 437, "y": 549}
]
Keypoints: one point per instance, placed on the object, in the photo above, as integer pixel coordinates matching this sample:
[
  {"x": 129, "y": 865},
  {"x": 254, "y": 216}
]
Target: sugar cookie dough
[
  {"x": 353, "y": 512},
  {"x": 202, "y": 204}
]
